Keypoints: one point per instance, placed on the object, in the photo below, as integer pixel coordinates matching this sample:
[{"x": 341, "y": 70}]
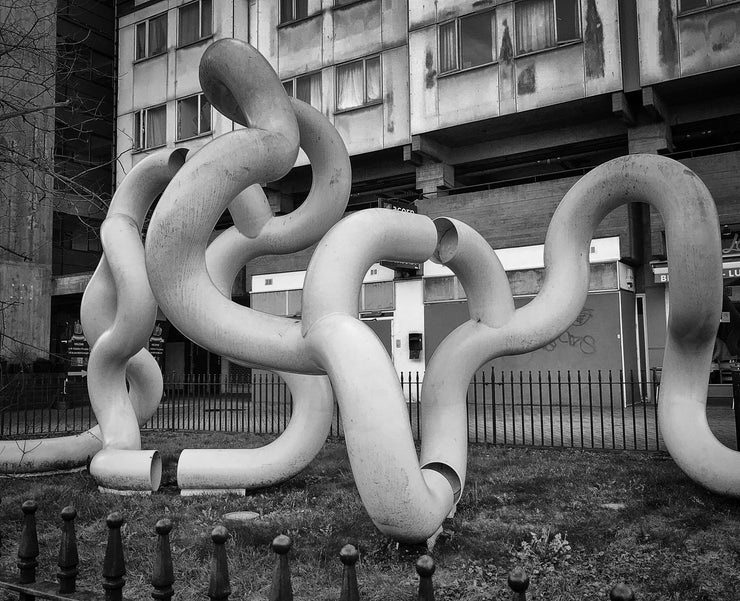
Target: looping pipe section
[
  {"x": 237, "y": 80},
  {"x": 696, "y": 284},
  {"x": 118, "y": 312},
  {"x": 241, "y": 84},
  {"x": 98, "y": 310}
]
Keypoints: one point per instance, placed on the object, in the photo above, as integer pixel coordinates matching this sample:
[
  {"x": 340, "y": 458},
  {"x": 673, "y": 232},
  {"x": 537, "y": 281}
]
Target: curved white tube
[
  {"x": 236, "y": 78},
  {"x": 257, "y": 233},
  {"x": 200, "y": 471},
  {"x": 97, "y": 311},
  {"x": 696, "y": 280},
  {"x": 404, "y": 501},
  {"x": 124, "y": 471}
]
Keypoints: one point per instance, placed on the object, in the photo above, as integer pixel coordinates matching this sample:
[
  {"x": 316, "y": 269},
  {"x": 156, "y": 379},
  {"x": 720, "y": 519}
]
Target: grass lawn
[{"x": 577, "y": 521}]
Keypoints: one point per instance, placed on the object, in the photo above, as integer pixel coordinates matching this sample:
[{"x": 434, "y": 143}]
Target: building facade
[{"x": 485, "y": 112}]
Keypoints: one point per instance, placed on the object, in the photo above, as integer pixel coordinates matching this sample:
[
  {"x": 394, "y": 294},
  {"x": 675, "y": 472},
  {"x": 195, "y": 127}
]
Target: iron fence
[{"x": 587, "y": 410}]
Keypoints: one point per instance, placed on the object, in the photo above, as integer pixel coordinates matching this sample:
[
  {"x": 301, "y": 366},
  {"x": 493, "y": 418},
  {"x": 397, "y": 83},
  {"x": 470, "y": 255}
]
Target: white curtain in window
[
  {"x": 156, "y": 120},
  {"x": 374, "y": 88},
  {"x": 158, "y": 35},
  {"x": 349, "y": 85},
  {"x": 534, "y": 25},
  {"x": 447, "y": 47}
]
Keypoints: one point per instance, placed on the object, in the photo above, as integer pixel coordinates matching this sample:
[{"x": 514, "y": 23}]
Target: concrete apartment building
[{"x": 485, "y": 112}]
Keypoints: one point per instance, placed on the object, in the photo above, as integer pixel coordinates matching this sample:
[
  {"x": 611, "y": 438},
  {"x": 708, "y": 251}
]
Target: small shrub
[{"x": 544, "y": 552}]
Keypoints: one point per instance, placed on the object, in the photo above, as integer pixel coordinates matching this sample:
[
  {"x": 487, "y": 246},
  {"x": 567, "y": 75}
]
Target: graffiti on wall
[{"x": 584, "y": 343}]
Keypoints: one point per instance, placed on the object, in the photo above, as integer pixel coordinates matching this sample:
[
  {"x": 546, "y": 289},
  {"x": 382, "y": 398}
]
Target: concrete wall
[
  {"x": 511, "y": 83},
  {"x": 676, "y": 45}
]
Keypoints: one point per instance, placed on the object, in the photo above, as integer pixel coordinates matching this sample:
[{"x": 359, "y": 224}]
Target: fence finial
[
  {"x": 28, "y": 548},
  {"x": 68, "y": 557},
  {"x": 163, "y": 574},
  {"x": 282, "y": 589},
  {"x": 350, "y": 591},
  {"x": 518, "y": 583},
  {"x": 114, "y": 567},
  {"x": 219, "y": 587},
  {"x": 425, "y": 568},
  {"x": 621, "y": 592}
]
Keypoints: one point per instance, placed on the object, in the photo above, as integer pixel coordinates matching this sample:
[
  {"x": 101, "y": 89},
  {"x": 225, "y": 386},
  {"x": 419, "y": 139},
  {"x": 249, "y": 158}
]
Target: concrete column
[
  {"x": 649, "y": 138},
  {"x": 434, "y": 178}
]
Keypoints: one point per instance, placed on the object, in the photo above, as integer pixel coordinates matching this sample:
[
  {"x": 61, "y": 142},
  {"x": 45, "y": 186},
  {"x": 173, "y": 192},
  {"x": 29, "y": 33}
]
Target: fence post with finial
[
  {"x": 350, "y": 591},
  {"x": 621, "y": 592},
  {"x": 114, "y": 567},
  {"x": 68, "y": 557},
  {"x": 282, "y": 589},
  {"x": 28, "y": 548},
  {"x": 219, "y": 587},
  {"x": 425, "y": 568},
  {"x": 519, "y": 583},
  {"x": 163, "y": 574}
]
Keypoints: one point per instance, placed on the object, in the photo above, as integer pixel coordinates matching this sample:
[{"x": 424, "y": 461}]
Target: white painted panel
[
  {"x": 606, "y": 77},
  {"x": 299, "y": 47},
  {"x": 126, "y": 69},
  {"x": 468, "y": 96},
  {"x": 407, "y": 318},
  {"x": 150, "y": 82},
  {"x": 422, "y": 13},
  {"x": 505, "y": 50},
  {"x": 359, "y": 128},
  {"x": 187, "y": 64},
  {"x": 394, "y": 26},
  {"x": 710, "y": 40}
]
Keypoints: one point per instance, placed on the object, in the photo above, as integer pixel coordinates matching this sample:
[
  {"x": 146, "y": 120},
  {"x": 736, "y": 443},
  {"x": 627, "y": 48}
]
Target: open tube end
[
  {"x": 446, "y": 240},
  {"x": 450, "y": 474},
  {"x": 126, "y": 471}
]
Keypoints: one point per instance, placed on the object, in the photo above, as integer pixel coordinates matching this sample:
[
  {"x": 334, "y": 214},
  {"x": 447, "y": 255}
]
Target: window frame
[
  {"x": 200, "y": 98},
  {"x": 201, "y": 35},
  {"x": 140, "y": 133},
  {"x": 459, "y": 42},
  {"x": 293, "y": 82},
  {"x": 708, "y": 5},
  {"x": 557, "y": 43},
  {"x": 366, "y": 102},
  {"x": 147, "y": 25},
  {"x": 283, "y": 19}
]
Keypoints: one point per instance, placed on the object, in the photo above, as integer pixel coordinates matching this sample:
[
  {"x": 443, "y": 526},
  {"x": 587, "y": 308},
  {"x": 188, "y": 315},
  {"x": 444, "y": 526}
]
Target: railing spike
[
  {"x": 219, "y": 587},
  {"x": 425, "y": 568},
  {"x": 68, "y": 557},
  {"x": 350, "y": 591},
  {"x": 114, "y": 566},
  {"x": 163, "y": 574},
  {"x": 28, "y": 548},
  {"x": 519, "y": 583},
  {"x": 621, "y": 592},
  {"x": 282, "y": 589}
]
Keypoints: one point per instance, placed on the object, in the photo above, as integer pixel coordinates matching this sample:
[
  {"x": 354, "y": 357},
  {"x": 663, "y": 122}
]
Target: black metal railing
[{"x": 586, "y": 410}]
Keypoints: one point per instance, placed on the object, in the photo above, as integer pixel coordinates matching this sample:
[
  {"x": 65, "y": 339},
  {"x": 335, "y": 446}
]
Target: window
[
  {"x": 196, "y": 22},
  {"x": 542, "y": 24},
  {"x": 290, "y": 10},
  {"x": 150, "y": 126},
  {"x": 151, "y": 37},
  {"x": 306, "y": 88},
  {"x": 467, "y": 42},
  {"x": 193, "y": 116},
  {"x": 687, "y": 5},
  {"x": 358, "y": 83}
]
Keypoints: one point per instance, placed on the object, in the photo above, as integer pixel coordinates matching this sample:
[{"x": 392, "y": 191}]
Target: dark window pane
[
  {"x": 286, "y": 10},
  {"x": 692, "y": 4},
  {"x": 141, "y": 40},
  {"x": 205, "y": 115},
  {"x": 288, "y": 85},
  {"x": 301, "y": 9},
  {"x": 187, "y": 124},
  {"x": 206, "y": 19},
  {"x": 189, "y": 24},
  {"x": 303, "y": 89},
  {"x": 535, "y": 26},
  {"x": 476, "y": 37},
  {"x": 566, "y": 12}
]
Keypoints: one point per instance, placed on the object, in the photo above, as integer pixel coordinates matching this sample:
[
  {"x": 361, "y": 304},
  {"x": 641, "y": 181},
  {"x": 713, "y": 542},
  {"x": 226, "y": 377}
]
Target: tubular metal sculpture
[{"x": 330, "y": 350}]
